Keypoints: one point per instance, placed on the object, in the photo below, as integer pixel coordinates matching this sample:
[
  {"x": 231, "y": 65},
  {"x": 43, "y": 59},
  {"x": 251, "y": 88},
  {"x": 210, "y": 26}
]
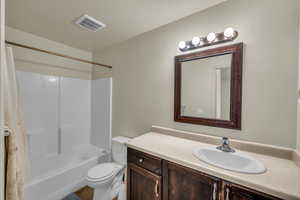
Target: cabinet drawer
[{"x": 144, "y": 160}]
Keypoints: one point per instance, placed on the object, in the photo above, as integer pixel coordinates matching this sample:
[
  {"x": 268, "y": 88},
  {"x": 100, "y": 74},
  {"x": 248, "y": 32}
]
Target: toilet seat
[{"x": 103, "y": 172}]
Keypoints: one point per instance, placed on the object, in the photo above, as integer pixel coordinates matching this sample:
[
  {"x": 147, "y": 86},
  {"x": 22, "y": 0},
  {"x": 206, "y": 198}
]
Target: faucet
[{"x": 225, "y": 147}]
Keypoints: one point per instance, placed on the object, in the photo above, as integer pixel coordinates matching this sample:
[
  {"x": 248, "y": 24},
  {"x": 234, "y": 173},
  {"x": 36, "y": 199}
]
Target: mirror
[
  {"x": 208, "y": 87},
  {"x": 205, "y": 88}
]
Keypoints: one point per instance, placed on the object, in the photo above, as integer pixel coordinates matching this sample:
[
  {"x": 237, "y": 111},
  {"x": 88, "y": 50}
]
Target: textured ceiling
[{"x": 53, "y": 19}]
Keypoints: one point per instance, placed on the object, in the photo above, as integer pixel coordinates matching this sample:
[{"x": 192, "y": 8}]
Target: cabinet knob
[{"x": 141, "y": 160}]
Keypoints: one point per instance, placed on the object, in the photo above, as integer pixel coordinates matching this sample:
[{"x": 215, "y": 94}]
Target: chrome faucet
[{"x": 225, "y": 147}]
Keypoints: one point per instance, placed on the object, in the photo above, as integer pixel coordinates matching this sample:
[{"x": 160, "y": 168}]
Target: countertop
[{"x": 282, "y": 178}]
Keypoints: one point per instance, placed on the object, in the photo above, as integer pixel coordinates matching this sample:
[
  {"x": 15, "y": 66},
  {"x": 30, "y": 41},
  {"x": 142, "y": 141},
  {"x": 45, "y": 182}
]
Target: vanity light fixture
[
  {"x": 196, "y": 41},
  {"x": 229, "y": 32},
  {"x": 212, "y": 38},
  {"x": 182, "y": 45}
]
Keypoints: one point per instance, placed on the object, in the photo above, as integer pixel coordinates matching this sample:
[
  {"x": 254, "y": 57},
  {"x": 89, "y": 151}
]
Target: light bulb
[
  {"x": 211, "y": 37},
  {"x": 182, "y": 44},
  {"x": 229, "y": 32},
  {"x": 196, "y": 41}
]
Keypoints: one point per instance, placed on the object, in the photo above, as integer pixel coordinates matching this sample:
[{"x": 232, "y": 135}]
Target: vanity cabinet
[
  {"x": 152, "y": 178},
  {"x": 236, "y": 192},
  {"x": 181, "y": 183},
  {"x": 144, "y": 180},
  {"x": 142, "y": 184}
]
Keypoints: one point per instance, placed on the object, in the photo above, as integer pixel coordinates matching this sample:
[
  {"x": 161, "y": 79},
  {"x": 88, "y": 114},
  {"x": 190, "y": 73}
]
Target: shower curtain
[{"x": 17, "y": 162}]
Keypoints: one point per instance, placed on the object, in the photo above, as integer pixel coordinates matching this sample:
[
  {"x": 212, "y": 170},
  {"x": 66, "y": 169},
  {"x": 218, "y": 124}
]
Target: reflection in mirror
[{"x": 205, "y": 88}]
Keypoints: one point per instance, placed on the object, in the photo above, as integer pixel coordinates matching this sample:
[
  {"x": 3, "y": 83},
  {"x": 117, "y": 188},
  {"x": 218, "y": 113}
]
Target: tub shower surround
[
  {"x": 57, "y": 112},
  {"x": 63, "y": 174},
  {"x": 58, "y": 118}
]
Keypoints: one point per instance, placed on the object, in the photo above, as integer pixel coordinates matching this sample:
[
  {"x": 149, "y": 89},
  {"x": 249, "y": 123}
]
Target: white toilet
[{"x": 106, "y": 178}]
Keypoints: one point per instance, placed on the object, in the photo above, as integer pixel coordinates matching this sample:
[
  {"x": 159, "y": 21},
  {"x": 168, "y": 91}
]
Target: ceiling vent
[{"x": 89, "y": 23}]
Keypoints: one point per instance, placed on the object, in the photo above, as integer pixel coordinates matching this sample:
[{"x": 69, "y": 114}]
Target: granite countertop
[{"x": 282, "y": 178}]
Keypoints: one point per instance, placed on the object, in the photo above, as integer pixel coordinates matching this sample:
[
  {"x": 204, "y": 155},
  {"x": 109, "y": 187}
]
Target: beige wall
[
  {"x": 298, "y": 119},
  {"x": 101, "y": 72},
  {"x": 143, "y": 73},
  {"x": 27, "y": 60}
]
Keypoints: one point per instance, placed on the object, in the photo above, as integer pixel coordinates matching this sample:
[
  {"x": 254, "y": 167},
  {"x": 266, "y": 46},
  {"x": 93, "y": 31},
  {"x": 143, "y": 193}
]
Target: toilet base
[{"x": 102, "y": 193}]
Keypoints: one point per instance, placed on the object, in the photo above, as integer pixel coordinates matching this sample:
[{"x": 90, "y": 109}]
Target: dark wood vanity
[{"x": 153, "y": 178}]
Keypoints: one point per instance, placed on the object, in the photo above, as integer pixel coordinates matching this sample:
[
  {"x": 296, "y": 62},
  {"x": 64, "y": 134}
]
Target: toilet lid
[{"x": 103, "y": 171}]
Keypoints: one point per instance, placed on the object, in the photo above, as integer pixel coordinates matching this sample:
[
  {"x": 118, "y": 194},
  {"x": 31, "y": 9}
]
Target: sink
[{"x": 237, "y": 161}]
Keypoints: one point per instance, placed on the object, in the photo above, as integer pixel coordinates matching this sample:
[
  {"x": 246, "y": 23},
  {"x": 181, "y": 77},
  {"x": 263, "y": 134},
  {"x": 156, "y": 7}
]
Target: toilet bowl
[{"x": 107, "y": 178}]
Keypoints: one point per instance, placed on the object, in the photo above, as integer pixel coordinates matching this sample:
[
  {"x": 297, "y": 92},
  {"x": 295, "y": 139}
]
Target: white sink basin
[{"x": 237, "y": 161}]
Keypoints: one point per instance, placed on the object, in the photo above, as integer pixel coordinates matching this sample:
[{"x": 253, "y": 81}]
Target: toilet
[{"x": 106, "y": 178}]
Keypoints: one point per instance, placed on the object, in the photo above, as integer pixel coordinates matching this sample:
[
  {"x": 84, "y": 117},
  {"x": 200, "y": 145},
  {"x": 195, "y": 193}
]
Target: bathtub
[{"x": 57, "y": 176}]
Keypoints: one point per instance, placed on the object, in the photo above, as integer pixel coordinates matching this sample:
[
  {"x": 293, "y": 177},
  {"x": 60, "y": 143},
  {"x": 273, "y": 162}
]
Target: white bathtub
[{"x": 55, "y": 177}]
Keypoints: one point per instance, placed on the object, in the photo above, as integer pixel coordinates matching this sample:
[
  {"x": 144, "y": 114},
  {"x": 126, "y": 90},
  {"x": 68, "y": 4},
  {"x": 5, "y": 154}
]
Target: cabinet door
[
  {"x": 181, "y": 183},
  {"x": 142, "y": 184},
  {"x": 236, "y": 192}
]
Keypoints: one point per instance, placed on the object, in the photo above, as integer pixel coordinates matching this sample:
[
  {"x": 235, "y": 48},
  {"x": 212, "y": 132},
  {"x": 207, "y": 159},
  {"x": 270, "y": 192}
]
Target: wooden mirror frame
[{"x": 235, "y": 86}]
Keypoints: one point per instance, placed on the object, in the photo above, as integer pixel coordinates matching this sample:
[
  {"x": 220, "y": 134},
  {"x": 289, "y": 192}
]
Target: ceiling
[{"x": 53, "y": 19}]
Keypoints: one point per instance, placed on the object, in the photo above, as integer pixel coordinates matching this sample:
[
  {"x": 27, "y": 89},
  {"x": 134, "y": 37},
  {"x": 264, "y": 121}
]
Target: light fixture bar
[{"x": 211, "y": 39}]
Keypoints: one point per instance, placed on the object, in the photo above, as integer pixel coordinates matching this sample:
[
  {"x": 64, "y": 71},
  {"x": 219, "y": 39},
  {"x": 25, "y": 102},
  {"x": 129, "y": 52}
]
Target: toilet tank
[{"x": 119, "y": 149}]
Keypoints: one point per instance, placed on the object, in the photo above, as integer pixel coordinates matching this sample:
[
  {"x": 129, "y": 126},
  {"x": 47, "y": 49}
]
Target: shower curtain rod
[{"x": 56, "y": 54}]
